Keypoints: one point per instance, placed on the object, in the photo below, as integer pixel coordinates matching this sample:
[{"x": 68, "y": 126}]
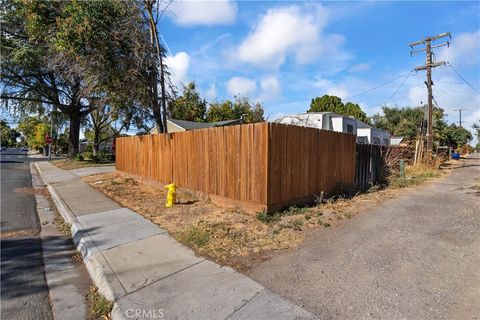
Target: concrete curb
[{"x": 96, "y": 264}]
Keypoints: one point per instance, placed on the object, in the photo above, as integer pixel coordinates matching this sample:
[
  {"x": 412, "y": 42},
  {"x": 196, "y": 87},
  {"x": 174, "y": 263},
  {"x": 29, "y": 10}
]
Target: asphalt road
[
  {"x": 414, "y": 257},
  {"x": 24, "y": 293}
]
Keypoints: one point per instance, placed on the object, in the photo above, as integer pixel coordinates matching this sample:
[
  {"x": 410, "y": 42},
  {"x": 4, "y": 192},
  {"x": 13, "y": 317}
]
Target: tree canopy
[
  {"x": 8, "y": 135},
  {"x": 329, "y": 103},
  {"x": 456, "y": 136},
  {"x": 189, "y": 106},
  {"x": 34, "y": 129},
  {"x": 241, "y": 107},
  {"x": 65, "y": 53},
  {"x": 408, "y": 122}
]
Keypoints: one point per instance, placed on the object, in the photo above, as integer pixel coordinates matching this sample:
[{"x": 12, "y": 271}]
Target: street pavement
[
  {"x": 24, "y": 293},
  {"x": 413, "y": 257}
]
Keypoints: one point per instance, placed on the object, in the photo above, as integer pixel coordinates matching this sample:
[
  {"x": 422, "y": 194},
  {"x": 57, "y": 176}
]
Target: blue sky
[{"x": 286, "y": 53}]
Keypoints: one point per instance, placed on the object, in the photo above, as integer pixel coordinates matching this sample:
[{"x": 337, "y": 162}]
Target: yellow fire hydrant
[{"x": 171, "y": 195}]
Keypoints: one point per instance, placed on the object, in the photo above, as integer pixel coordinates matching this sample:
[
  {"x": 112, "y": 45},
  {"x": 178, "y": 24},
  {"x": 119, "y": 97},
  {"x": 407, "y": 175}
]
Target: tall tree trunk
[
  {"x": 96, "y": 142},
  {"x": 157, "y": 108},
  {"x": 74, "y": 133}
]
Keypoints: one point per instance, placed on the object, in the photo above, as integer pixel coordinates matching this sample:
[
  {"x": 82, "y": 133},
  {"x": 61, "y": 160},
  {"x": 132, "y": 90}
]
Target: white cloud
[
  {"x": 178, "y": 66},
  {"x": 465, "y": 49},
  {"x": 271, "y": 89},
  {"x": 241, "y": 86},
  {"x": 417, "y": 95},
  {"x": 200, "y": 12},
  {"x": 211, "y": 93},
  {"x": 338, "y": 91},
  {"x": 360, "y": 67},
  {"x": 291, "y": 30}
]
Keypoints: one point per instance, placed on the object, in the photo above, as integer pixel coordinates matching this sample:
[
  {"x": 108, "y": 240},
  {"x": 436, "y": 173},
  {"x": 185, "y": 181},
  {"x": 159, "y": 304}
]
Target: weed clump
[
  {"x": 100, "y": 307},
  {"x": 194, "y": 235}
]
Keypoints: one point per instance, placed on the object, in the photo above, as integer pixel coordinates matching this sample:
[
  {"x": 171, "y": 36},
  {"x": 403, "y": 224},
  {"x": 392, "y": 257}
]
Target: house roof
[
  {"x": 192, "y": 125},
  {"x": 363, "y": 125}
]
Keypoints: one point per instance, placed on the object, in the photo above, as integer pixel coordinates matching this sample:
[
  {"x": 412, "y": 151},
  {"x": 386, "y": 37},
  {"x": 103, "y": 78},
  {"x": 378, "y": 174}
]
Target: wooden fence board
[{"x": 259, "y": 166}]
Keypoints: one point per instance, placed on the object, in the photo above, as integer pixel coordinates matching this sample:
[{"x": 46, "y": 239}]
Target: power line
[
  {"x": 401, "y": 84},
  {"x": 458, "y": 74},
  {"x": 379, "y": 86}
]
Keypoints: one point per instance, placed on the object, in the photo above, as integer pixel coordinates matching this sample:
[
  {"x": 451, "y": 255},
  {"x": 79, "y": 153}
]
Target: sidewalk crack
[
  {"x": 168, "y": 275},
  {"x": 243, "y": 305}
]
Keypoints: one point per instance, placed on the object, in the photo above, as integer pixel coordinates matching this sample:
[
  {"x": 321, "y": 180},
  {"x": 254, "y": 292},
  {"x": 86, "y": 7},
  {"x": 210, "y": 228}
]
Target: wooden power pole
[{"x": 429, "y": 64}]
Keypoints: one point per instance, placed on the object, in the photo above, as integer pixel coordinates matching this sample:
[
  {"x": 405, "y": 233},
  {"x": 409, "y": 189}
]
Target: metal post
[{"x": 402, "y": 169}]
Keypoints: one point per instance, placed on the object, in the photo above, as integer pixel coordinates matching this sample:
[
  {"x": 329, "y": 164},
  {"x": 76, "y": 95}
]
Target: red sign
[{"x": 48, "y": 139}]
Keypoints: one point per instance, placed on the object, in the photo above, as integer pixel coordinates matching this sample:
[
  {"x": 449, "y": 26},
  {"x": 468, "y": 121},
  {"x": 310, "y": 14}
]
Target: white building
[
  {"x": 370, "y": 135},
  {"x": 321, "y": 120},
  {"x": 336, "y": 122}
]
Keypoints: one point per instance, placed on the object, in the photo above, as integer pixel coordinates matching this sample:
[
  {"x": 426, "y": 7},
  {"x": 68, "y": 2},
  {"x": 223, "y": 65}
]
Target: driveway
[{"x": 414, "y": 257}]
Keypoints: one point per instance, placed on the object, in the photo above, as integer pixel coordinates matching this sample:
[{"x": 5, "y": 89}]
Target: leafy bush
[
  {"x": 87, "y": 155},
  {"x": 79, "y": 157}
]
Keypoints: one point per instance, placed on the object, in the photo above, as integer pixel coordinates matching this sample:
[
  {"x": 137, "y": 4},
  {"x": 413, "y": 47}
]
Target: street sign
[{"x": 48, "y": 139}]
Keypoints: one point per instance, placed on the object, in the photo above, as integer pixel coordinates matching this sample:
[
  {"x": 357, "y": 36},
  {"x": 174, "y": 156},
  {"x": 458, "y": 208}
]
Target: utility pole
[
  {"x": 429, "y": 64},
  {"x": 460, "y": 115}
]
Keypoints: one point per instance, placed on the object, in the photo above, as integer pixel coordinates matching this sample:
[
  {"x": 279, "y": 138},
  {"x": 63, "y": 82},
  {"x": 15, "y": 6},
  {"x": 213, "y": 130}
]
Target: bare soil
[{"x": 232, "y": 237}]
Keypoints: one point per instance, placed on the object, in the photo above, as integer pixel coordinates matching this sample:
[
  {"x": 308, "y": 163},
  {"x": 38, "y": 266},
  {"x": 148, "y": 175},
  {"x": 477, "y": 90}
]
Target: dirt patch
[
  {"x": 231, "y": 236},
  {"x": 40, "y": 191},
  {"x": 19, "y": 234},
  {"x": 209, "y": 230}
]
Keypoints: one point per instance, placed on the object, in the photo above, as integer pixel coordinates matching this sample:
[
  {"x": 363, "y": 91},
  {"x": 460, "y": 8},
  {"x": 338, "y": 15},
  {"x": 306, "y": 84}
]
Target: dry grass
[
  {"x": 231, "y": 236},
  {"x": 67, "y": 164},
  {"x": 415, "y": 175},
  {"x": 100, "y": 307},
  {"x": 63, "y": 226},
  {"x": 218, "y": 233}
]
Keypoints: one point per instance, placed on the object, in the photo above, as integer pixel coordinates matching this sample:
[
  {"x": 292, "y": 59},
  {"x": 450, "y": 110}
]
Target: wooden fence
[
  {"x": 303, "y": 162},
  {"x": 263, "y": 166},
  {"x": 370, "y": 166}
]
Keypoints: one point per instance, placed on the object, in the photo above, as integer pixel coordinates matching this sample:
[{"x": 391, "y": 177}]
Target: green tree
[
  {"x": 406, "y": 122},
  {"x": 328, "y": 103},
  {"x": 62, "y": 53},
  {"x": 457, "y": 136},
  {"x": 34, "y": 130},
  {"x": 476, "y": 127},
  {"x": 8, "y": 135},
  {"x": 240, "y": 108},
  {"x": 189, "y": 106}
]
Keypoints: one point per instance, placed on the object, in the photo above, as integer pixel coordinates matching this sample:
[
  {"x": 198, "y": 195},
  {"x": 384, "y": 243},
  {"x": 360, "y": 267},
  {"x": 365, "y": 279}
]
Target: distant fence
[
  {"x": 370, "y": 166},
  {"x": 263, "y": 166}
]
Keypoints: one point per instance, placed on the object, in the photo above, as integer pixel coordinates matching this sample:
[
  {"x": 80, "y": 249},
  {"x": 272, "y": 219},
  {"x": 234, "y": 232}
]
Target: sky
[{"x": 285, "y": 53}]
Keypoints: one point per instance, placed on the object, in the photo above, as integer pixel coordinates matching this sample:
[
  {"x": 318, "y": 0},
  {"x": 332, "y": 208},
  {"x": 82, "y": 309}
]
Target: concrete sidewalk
[{"x": 145, "y": 271}]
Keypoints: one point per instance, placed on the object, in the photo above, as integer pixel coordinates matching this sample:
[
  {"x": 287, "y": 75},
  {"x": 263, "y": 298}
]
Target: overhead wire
[
  {"x": 468, "y": 83},
  {"x": 378, "y": 86},
  {"x": 398, "y": 89}
]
